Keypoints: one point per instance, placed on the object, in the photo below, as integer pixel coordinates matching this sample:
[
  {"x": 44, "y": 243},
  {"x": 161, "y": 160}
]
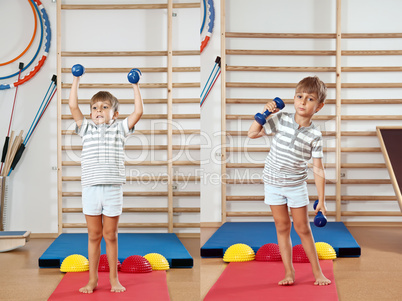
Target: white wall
[
  {"x": 312, "y": 16},
  {"x": 32, "y": 197}
]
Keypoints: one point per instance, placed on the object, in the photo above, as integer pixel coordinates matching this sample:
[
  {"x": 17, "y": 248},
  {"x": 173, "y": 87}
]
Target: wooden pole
[
  {"x": 338, "y": 110},
  {"x": 59, "y": 128},
  {"x": 170, "y": 115},
  {"x": 223, "y": 110}
]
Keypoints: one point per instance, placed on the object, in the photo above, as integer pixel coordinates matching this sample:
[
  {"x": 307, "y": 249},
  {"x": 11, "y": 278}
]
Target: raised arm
[
  {"x": 138, "y": 107},
  {"x": 73, "y": 102},
  {"x": 256, "y": 130}
]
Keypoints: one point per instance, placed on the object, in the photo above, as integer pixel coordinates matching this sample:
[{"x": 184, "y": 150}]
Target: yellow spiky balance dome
[
  {"x": 158, "y": 262},
  {"x": 325, "y": 250},
  {"x": 239, "y": 253},
  {"x": 75, "y": 263}
]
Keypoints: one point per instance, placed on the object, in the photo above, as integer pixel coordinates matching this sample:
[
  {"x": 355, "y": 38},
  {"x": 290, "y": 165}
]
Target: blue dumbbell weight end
[
  {"x": 261, "y": 117},
  {"x": 78, "y": 70},
  {"x": 320, "y": 220},
  {"x": 134, "y": 75}
]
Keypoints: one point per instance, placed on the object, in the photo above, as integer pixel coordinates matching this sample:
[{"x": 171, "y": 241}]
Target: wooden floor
[
  {"x": 375, "y": 275},
  {"x": 22, "y": 279}
]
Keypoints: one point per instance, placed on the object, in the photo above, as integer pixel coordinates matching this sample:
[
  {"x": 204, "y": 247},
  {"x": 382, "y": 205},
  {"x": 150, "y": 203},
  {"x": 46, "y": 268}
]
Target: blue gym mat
[
  {"x": 257, "y": 234},
  {"x": 166, "y": 244}
]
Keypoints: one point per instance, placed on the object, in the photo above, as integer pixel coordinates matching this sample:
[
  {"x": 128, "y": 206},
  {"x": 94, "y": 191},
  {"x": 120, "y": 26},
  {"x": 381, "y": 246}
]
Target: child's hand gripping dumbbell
[
  {"x": 261, "y": 117},
  {"x": 134, "y": 76}
]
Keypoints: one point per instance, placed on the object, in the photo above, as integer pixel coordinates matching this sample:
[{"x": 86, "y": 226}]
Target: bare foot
[
  {"x": 288, "y": 280},
  {"x": 116, "y": 286},
  {"x": 89, "y": 288},
  {"x": 322, "y": 280}
]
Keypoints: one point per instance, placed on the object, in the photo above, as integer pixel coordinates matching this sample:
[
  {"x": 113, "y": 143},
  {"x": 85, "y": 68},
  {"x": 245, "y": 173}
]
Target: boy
[
  {"x": 296, "y": 140},
  {"x": 103, "y": 174}
]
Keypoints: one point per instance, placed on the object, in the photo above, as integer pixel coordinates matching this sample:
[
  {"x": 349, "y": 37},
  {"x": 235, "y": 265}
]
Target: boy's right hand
[{"x": 271, "y": 107}]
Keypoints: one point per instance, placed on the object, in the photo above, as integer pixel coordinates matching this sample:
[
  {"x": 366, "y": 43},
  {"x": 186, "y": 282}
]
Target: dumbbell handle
[{"x": 261, "y": 117}]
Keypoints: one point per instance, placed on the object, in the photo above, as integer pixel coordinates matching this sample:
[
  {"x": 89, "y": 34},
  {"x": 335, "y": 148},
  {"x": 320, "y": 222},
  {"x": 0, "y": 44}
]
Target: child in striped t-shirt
[
  {"x": 103, "y": 173},
  {"x": 296, "y": 140}
]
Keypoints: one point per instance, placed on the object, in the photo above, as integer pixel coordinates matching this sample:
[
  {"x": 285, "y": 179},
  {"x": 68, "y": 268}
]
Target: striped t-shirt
[
  {"x": 102, "y": 158},
  {"x": 291, "y": 149}
]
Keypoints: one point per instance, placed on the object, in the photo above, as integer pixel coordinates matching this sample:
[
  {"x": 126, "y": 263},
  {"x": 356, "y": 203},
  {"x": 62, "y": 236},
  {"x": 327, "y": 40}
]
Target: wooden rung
[
  {"x": 150, "y": 132},
  {"x": 327, "y": 117},
  {"x": 327, "y": 101},
  {"x": 325, "y": 149},
  {"x": 311, "y": 181},
  {"x": 141, "y": 147},
  {"x": 311, "y": 69},
  {"x": 145, "y": 116},
  {"x": 126, "y": 53},
  {"x": 143, "y": 70},
  {"x": 255, "y": 35},
  {"x": 312, "y": 52},
  {"x": 363, "y": 165},
  {"x": 142, "y": 178},
  {"x": 365, "y": 181},
  {"x": 146, "y": 101},
  {"x": 314, "y": 197},
  {"x": 324, "y": 133},
  {"x": 329, "y": 85},
  {"x": 127, "y": 163},
  {"x": 185, "y": 163},
  {"x": 143, "y": 193},
  {"x": 371, "y": 213},
  {"x": 127, "y": 6},
  {"x": 123, "y": 86},
  {"x": 251, "y": 117},
  {"x": 394, "y": 35},
  {"x": 135, "y": 210}
]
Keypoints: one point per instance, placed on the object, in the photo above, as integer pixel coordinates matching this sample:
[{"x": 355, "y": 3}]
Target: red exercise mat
[
  {"x": 257, "y": 280},
  {"x": 141, "y": 286}
]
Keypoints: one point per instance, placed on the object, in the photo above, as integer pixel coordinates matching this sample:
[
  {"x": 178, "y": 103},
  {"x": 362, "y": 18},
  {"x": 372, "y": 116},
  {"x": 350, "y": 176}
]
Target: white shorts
[
  {"x": 102, "y": 199},
  {"x": 293, "y": 196}
]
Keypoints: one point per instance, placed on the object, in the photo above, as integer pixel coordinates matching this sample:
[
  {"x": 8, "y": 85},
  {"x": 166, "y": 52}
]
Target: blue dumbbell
[
  {"x": 261, "y": 117},
  {"x": 320, "y": 220},
  {"x": 78, "y": 70},
  {"x": 134, "y": 75}
]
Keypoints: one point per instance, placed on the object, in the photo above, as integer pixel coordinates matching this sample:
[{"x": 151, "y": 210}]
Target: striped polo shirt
[
  {"x": 102, "y": 157},
  {"x": 291, "y": 149}
]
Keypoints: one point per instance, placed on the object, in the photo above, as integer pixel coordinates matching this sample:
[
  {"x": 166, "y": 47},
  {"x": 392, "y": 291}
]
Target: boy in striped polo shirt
[
  {"x": 296, "y": 140},
  {"x": 103, "y": 174}
]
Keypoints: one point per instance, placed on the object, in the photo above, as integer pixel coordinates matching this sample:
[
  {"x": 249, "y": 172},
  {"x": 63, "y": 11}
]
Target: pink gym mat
[
  {"x": 140, "y": 286},
  {"x": 258, "y": 280}
]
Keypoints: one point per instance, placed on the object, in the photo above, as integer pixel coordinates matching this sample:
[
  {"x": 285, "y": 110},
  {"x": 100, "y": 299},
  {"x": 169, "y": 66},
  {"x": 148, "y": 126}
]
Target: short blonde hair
[
  {"x": 313, "y": 84},
  {"x": 106, "y": 96}
]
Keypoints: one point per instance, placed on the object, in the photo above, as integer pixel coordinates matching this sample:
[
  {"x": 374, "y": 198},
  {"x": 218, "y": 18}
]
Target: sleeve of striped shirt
[
  {"x": 126, "y": 130},
  {"x": 316, "y": 148},
  {"x": 83, "y": 129},
  {"x": 271, "y": 126}
]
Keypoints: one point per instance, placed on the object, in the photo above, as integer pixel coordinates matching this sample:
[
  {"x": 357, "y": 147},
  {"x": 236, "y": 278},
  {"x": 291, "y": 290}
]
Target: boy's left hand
[{"x": 321, "y": 207}]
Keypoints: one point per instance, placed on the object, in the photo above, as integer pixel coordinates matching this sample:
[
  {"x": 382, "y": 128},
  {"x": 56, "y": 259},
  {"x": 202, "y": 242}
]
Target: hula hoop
[
  {"x": 32, "y": 39},
  {"x": 204, "y": 17},
  {"x": 44, "y": 23},
  {"x": 211, "y": 20}
]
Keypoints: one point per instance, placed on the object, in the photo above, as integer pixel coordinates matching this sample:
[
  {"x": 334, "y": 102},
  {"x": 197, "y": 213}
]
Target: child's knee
[
  {"x": 283, "y": 227},
  {"x": 302, "y": 229},
  {"x": 95, "y": 236},
  {"x": 110, "y": 236}
]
